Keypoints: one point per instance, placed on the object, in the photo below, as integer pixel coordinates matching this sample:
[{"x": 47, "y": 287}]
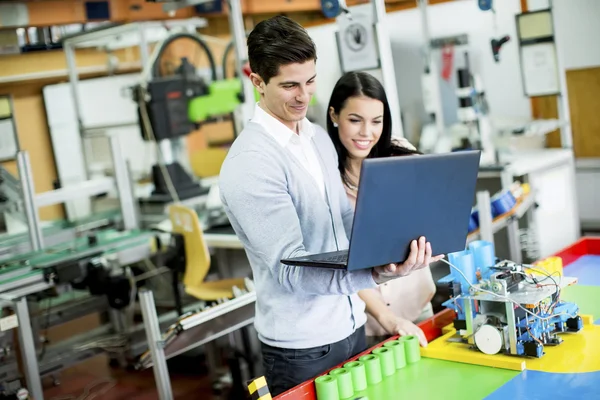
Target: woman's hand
[{"x": 394, "y": 325}]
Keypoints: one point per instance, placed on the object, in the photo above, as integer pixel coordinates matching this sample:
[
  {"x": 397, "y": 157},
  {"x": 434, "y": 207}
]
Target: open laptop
[{"x": 400, "y": 199}]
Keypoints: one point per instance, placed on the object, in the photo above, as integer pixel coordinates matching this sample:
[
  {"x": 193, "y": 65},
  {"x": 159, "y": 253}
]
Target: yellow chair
[{"x": 185, "y": 222}]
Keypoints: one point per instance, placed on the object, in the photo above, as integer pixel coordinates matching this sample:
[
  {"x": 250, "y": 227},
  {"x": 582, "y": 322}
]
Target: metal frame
[
  {"x": 139, "y": 34},
  {"x": 27, "y": 345},
  {"x": 385, "y": 62},
  {"x": 236, "y": 23},
  {"x": 387, "y": 65},
  {"x": 129, "y": 207},
  {"x": 488, "y": 227},
  {"x": 157, "y": 344}
]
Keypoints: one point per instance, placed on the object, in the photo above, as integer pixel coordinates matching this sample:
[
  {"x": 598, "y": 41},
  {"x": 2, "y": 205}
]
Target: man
[{"x": 282, "y": 192}]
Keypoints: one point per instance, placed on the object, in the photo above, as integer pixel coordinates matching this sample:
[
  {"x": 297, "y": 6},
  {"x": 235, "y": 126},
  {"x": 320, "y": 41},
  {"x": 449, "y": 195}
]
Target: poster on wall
[
  {"x": 9, "y": 144},
  {"x": 540, "y": 69},
  {"x": 356, "y": 43}
]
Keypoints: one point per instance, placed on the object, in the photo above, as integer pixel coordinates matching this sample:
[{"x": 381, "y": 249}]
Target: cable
[
  {"x": 161, "y": 161},
  {"x": 87, "y": 391},
  {"x": 156, "y": 62},
  {"x": 502, "y": 296}
]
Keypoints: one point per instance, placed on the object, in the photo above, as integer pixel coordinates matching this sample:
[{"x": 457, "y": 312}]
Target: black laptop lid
[{"x": 402, "y": 198}]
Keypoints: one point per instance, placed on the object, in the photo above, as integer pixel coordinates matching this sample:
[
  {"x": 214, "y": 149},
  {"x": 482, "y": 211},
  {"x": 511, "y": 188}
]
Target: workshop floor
[{"x": 103, "y": 383}]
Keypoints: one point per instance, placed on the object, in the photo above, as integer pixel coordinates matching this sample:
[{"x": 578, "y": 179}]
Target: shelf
[
  {"x": 63, "y": 73},
  {"x": 503, "y": 220}
]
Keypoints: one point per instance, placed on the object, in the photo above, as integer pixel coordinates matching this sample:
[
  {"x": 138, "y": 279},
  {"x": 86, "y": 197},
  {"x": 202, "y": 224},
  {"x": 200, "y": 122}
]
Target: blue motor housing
[{"x": 331, "y": 8}]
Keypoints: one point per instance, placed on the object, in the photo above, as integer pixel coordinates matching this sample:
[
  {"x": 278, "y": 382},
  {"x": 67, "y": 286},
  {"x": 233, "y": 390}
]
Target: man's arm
[
  {"x": 347, "y": 213},
  {"x": 256, "y": 194}
]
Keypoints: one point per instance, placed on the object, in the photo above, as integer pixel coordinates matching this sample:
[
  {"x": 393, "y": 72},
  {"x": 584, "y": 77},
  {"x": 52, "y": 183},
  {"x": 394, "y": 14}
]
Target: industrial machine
[
  {"x": 505, "y": 307},
  {"x": 173, "y": 104}
]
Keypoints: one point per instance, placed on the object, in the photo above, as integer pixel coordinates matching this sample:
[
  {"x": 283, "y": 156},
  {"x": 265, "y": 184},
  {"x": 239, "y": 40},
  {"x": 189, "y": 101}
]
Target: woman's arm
[{"x": 393, "y": 324}]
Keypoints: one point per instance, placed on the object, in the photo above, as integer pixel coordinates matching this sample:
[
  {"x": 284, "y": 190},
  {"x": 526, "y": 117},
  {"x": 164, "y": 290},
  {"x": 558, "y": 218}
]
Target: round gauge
[{"x": 355, "y": 37}]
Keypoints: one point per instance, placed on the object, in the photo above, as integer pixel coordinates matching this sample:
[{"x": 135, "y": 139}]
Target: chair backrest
[{"x": 185, "y": 222}]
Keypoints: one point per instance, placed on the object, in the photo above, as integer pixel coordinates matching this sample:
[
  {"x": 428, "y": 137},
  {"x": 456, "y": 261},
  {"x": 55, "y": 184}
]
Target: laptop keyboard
[{"x": 338, "y": 258}]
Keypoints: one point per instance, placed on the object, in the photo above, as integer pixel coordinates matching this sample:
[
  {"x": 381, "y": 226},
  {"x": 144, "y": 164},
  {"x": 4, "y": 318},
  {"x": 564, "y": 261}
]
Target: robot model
[{"x": 509, "y": 308}]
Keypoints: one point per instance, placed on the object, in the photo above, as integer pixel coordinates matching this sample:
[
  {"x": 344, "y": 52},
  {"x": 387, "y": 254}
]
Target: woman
[{"x": 360, "y": 125}]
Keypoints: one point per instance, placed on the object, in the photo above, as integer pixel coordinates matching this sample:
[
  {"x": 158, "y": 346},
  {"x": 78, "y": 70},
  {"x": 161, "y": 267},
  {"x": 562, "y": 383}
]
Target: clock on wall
[{"x": 355, "y": 37}]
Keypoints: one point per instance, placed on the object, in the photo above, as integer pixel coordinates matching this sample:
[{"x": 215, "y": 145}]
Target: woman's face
[{"x": 360, "y": 124}]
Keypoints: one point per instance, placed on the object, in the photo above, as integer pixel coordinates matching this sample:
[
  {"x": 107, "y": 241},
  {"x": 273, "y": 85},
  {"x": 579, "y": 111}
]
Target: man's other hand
[{"x": 419, "y": 257}]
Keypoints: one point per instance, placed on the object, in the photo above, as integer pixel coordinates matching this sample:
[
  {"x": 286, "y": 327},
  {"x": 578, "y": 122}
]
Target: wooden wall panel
[
  {"x": 584, "y": 86},
  {"x": 44, "y": 13},
  {"x": 546, "y": 107},
  {"x": 32, "y": 129}
]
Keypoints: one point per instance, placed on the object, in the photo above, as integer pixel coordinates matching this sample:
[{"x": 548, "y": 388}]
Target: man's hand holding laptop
[{"x": 419, "y": 257}]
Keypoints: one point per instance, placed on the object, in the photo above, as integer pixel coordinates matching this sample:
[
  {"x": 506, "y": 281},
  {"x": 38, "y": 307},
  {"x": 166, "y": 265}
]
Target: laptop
[{"x": 400, "y": 199}]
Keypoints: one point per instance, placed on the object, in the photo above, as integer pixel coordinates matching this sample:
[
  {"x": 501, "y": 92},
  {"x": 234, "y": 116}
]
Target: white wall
[
  {"x": 328, "y": 67},
  {"x": 502, "y": 80},
  {"x": 577, "y": 29}
]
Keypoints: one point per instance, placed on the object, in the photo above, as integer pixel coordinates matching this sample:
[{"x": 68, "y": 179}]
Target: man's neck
[{"x": 293, "y": 125}]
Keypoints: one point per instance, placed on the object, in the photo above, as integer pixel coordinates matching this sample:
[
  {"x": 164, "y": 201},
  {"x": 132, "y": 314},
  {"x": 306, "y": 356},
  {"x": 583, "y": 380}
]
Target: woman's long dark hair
[{"x": 355, "y": 84}]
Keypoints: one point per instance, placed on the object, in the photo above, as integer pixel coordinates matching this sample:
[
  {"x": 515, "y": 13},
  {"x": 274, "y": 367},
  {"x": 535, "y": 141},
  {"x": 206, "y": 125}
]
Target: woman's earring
[{"x": 335, "y": 124}]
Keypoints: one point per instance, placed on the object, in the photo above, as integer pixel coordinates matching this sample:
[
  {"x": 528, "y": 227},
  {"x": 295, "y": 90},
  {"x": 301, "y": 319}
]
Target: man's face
[{"x": 287, "y": 94}]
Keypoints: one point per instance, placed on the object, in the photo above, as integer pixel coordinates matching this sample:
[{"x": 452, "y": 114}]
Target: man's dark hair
[{"x": 278, "y": 41}]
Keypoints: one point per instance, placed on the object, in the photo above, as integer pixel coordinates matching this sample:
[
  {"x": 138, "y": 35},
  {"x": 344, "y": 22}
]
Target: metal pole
[
  {"x": 129, "y": 209},
  {"x": 431, "y": 84},
  {"x": 32, "y": 371},
  {"x": 387, "y": 66},
  {"x": 154, "y": 339},
  {"x": 426, "y": 33},
  {"x": 74, "y": 82},
  {"x": 484, "y": 208},
  {"x": 564, "y": 109},
  {"x": 514, "y": 243},
  {"x": 28, "y": 192},
  {"x": 143, "y": 44},
  {"x": 236, "y": 22}
]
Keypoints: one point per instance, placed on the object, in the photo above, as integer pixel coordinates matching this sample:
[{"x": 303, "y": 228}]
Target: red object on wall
[
  {"x": 447, "y": 61},
  {"x": 246, "y": 69}
]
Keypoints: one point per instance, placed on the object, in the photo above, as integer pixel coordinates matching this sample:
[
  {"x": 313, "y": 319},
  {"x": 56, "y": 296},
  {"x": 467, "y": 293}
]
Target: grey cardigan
[{"x": 277, "y": 212}]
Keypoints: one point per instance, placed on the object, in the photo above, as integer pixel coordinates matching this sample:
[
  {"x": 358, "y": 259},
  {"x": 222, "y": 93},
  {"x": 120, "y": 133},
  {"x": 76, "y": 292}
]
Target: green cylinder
[
  {"x": 411, "y": 348},
  {"x": 373, "y": 368},
  {"x": 399, "y": 354},
  {"x": 386, "y": 358},
  {"x": 358, "y": 373},
  {"x": 327, "y": 388},
  {"x": 344, "y": 380}
]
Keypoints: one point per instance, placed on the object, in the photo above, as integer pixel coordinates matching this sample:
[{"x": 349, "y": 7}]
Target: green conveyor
[
  {"x": 33, "y": 263},
  {"x": 58, "y": 226}
]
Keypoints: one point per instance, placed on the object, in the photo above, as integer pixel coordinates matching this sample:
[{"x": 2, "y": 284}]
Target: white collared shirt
[{"x": 301, "y": 145}]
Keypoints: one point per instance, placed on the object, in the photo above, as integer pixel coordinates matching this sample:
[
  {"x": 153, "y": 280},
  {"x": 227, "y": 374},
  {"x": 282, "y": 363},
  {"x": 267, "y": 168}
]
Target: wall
[
  {"x": 502, "y": 81},
  {"x": 577, "y": 31}
]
